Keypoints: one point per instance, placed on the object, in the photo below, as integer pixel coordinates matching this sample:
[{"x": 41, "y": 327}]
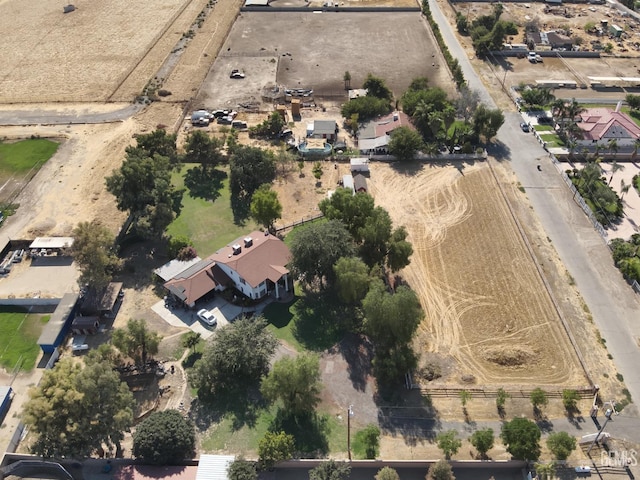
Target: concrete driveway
[{"x": 224, "y": 311}]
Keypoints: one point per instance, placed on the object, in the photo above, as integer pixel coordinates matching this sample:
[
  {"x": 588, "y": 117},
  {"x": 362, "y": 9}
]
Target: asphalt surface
[
  {"x": 613, "y": 304},
  {"x": 44, "y": 117}
]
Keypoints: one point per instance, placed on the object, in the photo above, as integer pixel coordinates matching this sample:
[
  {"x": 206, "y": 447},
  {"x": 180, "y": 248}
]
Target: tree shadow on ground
[
  {"x": 241, "y": 208},
  {"x": 244, "y": 408},
  {"x": 140, "y": 257},
  {"x": 310, "y": 431},
  {"x": 204, "y": 183},
  {"x": 357, "y": 350},
  {"x": 499, "y": 150},
  {"x": 321, "y": 320},
  {"x": 408, "y": 167},
  {"x": 575, "y": 418},
  {"x": 408, "y": 414}
]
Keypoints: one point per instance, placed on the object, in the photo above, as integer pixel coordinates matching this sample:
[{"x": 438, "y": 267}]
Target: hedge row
[{"x": 453, "y": 63}]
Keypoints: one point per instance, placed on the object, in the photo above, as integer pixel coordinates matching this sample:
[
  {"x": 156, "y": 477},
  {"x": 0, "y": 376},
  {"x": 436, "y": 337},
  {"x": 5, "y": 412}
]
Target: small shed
[
  {"x": 59, "y": 245},
  {"x": 85, "y": 325},
  {"x": 357, "y": 93},
  {"x": 109, "y": 298},
  {"x": 347, "y": 182},
  {"x": 615, "y": 31},
  {"x": 6, "y": 394},
  {"x": 256, "y": 3},
  {"x": 56, "y": 329},
  {"x": 360, "y": 184},
  {"x": 326, "y": 129},
  {"x": 360, "y": 165}
]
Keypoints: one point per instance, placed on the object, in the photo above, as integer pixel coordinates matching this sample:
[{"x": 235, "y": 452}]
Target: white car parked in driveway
[{"x": 207, "y": 317}]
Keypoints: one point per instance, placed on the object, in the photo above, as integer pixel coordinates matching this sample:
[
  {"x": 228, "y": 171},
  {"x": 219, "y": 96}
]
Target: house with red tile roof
[
  {"x": 374, "y": 137},
  {"x": 255, "y": 264},
  {"x": 600, "y": 125}
]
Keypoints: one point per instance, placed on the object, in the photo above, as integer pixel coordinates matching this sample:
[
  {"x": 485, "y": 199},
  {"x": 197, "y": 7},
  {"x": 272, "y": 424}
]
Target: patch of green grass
[
  {"x": 209, "y": 224},
  {"x": 552, "y": 140},
  {"x": 20, "y": 157},
  {"x": 288, "y": 239},
  {"x": 19, "y": 333},
  {"x": 310, "y": 322},
  {"x": 543, "y": 128},
  {"x": 323, "y": 431}
]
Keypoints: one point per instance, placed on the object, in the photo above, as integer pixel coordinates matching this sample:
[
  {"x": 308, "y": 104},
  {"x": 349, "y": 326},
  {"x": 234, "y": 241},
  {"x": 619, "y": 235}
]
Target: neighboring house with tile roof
[
  {"x": 600, "y": 125},
  {"x": 254, "y": 264},
  {"x": 374, "y": 137}
]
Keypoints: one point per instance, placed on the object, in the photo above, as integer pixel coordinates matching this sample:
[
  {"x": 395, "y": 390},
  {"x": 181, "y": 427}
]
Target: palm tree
[
  {"x": 546, "y": 471},
  {"x": 624, "y": 188},
  {"x": 421, "y": 115},
  {"x": 612, "y": 146},
  {"x": 615, "y": 166}
]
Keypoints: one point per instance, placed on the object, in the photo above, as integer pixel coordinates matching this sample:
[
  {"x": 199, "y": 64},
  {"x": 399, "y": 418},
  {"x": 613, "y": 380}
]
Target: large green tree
[
  {"x": 295, "y": 381},
  {"x": 242, "y": 469},
  {"x": 249, "y": 168},
  {"x": 142, "y": 187},
  {"x": 265, "y": 206},
  {"x": 94, "y": 253},
  {"x": 352, "y": 279},
  {"x": 330, "y": 470},
  {"x": 487, "y": 122},
  {"x": 203, "y": 149},
  {"x": 449, "y": 443},
  {"x": 522, "y": 439},
  {"x": 561, "y": 444},
  {"x": 234, "y": 359},
  {"x": 275, "y": 447},
  {"x": 316, "y": 249},
  {"x": 441, "y": 470},
  {"x": 391, "y": 318},
  {"x": 482, "y": 440},
  {"x": 387, "y": 473},
  {"x": 136, "y": 341},
  {"x": 405, "y": 143},
  {"x": 75, "y": 411},
  {"x": 165, "y": 438},
  {"x": 376, "y": 87},
  {"x": 158, "y": 142},
  {"x": 365, "y": 108}
]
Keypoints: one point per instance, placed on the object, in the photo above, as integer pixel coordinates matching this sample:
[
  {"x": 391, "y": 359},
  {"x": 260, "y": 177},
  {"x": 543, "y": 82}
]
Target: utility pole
[
  {"x": 349, "y": 414},
  {"x": 607, "y": 414}
]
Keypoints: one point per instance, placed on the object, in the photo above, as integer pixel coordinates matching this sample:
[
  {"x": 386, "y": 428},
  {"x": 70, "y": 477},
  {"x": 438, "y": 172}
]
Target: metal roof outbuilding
[{"x": 214, "y": 467}]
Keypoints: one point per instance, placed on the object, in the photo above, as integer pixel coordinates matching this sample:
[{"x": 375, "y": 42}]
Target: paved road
[
  {"x": 615, "y": 308},
  {"x": 45, "y": 117}
]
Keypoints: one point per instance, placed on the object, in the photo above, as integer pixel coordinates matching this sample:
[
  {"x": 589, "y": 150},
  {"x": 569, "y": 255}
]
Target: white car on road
[{"x": 207, "y": 317}]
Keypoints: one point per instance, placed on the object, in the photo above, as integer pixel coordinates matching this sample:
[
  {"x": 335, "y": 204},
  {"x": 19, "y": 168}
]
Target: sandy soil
[{"x": 79, "y": 56}]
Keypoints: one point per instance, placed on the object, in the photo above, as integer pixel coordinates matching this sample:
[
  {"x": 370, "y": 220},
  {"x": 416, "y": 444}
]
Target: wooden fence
[
  {"x": 302, "y": 221},
  {"x": 492, "y": 392}
]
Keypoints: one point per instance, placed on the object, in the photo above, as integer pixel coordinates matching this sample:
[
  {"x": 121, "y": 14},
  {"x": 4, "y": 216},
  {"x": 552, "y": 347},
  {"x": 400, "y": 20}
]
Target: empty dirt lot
[
  {"x": 84, "y": 55},
  {"x": 313, "y": 50}
]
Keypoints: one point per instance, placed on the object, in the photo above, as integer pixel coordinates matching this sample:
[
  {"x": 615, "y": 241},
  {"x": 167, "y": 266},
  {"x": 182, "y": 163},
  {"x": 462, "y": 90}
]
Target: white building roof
[
  {"x": 359, "y": 161},
  {"x": 371, "y": 143},
  {"x": 51, "y": 242},
  {"x": 347, "y": 181},
  {"x": 214, "y": 467},
  {"x": 175, "y": 267}
]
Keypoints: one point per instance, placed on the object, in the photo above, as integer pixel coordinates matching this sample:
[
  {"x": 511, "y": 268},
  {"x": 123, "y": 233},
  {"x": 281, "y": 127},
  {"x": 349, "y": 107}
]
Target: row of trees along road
[
  {"x": 438, "y": 120},
  {"x": 520, "y": 436}
]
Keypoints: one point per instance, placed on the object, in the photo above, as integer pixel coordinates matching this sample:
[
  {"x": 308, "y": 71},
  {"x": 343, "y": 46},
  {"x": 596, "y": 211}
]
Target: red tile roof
[
  {"x": 149, "y": 472},
  {"x": 387, "y": 124},
  {"x": 602, "y": 123},
  {"x": 266, "y": 258},
  {"x": 197, "y": 281}
]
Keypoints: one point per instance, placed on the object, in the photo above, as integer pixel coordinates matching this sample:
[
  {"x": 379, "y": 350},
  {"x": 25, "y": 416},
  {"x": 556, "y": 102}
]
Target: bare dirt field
[
  {"x": 79, "y": 56},
  {"x": 282, "y": 39}
]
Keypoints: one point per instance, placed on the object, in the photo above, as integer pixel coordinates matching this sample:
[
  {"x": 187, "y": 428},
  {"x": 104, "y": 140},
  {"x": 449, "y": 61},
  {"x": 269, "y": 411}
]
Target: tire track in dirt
[{"x": 484, "y": 303}]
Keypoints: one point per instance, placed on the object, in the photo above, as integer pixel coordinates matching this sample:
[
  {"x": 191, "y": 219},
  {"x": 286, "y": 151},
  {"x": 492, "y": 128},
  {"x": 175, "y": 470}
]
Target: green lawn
[
  {"x": 19, "y": 333},
  {"x": 325, "y": 433},
  {"x": 552, "y": 140},
  {"x": 543, "y": 128},
  {"x": 208, "y": 223},
  {"x": 19, "y": 157},
  {"x": 310, "y": 321}
]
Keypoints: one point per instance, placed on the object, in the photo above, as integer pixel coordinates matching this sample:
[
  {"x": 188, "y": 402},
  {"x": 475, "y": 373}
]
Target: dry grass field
[{"x": 50, "y": 56}]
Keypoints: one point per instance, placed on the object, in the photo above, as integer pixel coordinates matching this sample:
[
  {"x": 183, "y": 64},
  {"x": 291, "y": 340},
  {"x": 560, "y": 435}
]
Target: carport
[{"x": 48, "y": 245}]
